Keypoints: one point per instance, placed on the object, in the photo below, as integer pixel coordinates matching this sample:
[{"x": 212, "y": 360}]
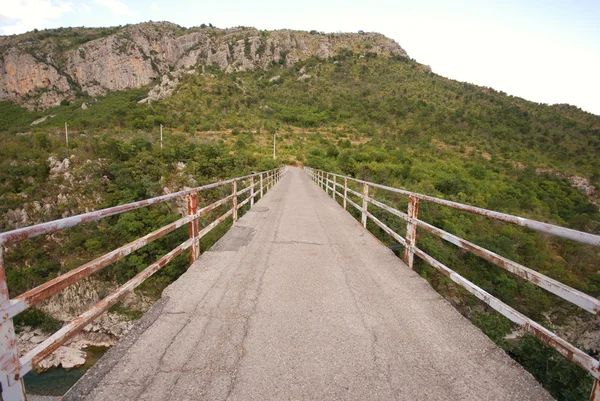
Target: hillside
[
  {"x": 41, "y": 69},
  {"x": 363, "y": 108}
]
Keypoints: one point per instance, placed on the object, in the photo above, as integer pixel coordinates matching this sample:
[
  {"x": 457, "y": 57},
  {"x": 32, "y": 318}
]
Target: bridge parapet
[
  {"x": 331, "y": 183},
  {"x": 13, "y": 367}
]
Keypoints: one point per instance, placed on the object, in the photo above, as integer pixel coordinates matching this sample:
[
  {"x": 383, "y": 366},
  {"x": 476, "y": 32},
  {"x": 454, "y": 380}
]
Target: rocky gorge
[{"x": 66, "y": 306}]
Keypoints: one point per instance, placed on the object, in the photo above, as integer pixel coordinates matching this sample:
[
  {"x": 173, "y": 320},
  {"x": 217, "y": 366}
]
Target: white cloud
[
  {"x": 25, "y": 15},
  {"x": 115, "y": 6},
  {"x": 154, "y": 6}
]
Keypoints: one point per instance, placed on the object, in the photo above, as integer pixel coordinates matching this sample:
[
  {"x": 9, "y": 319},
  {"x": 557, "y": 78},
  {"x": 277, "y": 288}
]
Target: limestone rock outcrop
[{"x": 39, "y": 72}]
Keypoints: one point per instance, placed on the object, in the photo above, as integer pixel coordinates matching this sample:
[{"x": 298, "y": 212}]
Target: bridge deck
[{"x": 298, "y": 301}]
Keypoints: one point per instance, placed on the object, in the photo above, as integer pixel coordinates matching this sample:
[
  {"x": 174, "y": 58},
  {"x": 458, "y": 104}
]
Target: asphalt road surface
[{"x": 298, "y": 301}]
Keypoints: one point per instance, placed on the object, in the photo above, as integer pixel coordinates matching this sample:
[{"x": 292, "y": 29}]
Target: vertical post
[
  {"x": 67, "y": 134},
  {"x": 334, "y": 187},
  {"x": 9, "y": 356},
  {"x": 161, "y": 145},
  {"x": 192, "y": 201},
  {"x": 595, "y": 396},
  {"x": 327, "y": 184},
  {"x": 365, "y": 204},
  {"x": 411, "y": 230},
  {"x": 345, "y": 191},
  {"x": 234, "y": 200},
  {"x": 261, "y": 185},
  {"x": 251, "y": 191}
]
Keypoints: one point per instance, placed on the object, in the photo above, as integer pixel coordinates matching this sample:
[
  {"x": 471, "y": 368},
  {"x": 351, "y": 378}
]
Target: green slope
[{"x": 391, "y": 121}]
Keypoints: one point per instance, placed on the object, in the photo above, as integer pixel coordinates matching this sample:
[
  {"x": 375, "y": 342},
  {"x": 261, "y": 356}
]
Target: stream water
[{"x": 57, "y": 381}]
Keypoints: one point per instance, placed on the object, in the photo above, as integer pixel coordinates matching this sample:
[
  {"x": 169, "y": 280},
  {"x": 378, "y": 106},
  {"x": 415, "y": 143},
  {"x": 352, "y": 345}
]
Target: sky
[{"x": 546, "y": 51}]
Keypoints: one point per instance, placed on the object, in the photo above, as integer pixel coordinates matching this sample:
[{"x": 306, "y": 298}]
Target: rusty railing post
[
  {"x": 334, "y": 187},
  {"x": 9, "y": 355},
  {"x": 251, "y": 191},
  {"x": 365, "y": 204},
  {"x": 411, "y": 230},
  {"x": 345, "y": 191},
  {"x": 261, "y": 185},
  {"x": 192, "y": 201},
  {"x": 595, "y": 396},
  {"x": 327, "y": 184},
  {"x": 234, "y": 200}
]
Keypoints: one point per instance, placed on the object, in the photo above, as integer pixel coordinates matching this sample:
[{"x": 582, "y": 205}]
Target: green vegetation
[
  {"x": 36, "y": 318},
  {"x": 389, "y": 121}
]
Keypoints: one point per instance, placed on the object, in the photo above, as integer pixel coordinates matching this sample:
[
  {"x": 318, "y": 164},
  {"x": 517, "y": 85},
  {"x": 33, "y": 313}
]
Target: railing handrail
[
  {"x": 13, "y": 368},
  {"x": 579, "y": 236},
  {"x": 19, "y": 234},
  {"x": 591, "y": 304}
]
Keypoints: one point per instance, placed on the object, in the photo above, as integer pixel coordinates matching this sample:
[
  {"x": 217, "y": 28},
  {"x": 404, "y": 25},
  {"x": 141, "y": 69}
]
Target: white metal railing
[
  {"x": 331, "y": 182},
  {"x": 13, "y": 367}
]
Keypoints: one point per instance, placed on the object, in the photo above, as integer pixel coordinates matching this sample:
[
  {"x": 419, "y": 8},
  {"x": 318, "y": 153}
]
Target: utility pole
[
  {"x": 161, "y": 146},
  {"x": 274, "y": 155},
  {"x": 67, "y": 134}
]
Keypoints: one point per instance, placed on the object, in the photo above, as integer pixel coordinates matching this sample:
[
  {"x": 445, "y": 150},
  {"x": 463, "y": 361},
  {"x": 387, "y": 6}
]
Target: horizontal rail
[
  {"x": 557, "y": 288},
  {"x": 45, "y": 348},
  {"x": 359, "y": 208},
  {"x": 388, "y": 230},
  {"x": 243, "y": 191},
  {"x": 13, "y": 368},
  {"x": 19, "y": 234},
  {"x": 570, "y": 294},
  {"x": 390, "y": 209},
  {"x": 41, "y": 292},
  {"x": 241, "y": 204},
  {"x": 559, "y": 231},
  {"x": 548, "y": 337},
  {"x": 353, "y": 192}
]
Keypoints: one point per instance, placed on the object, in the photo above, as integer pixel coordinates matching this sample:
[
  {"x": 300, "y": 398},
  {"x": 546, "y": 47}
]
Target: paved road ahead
[{"x": 298, "y": 301}]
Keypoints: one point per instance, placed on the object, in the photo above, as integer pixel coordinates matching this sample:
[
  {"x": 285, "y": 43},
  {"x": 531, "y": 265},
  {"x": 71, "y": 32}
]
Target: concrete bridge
[{"x": 299, "y": 301}]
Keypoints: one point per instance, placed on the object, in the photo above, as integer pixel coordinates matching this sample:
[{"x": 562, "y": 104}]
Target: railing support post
[
  {"x": 251, "y": 191},
  {"x": 9, "y": 355},
  {"x": 595, "y": 396},
  {"x": 411, "y": 230},
  {"x": 365, "y": 205},
  {"x": 345, "y": 191},
  {"x": 333, "y": 192},
  {"x": 327, "y": 184},
  {"x": 192, "y": 201},
  {"x": 234, "y": 200},
  {"x": 261, "y": 186}
]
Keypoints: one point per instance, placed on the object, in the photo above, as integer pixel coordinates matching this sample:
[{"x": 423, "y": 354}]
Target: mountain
[
  {"x": 349, "y": 103},
  {"x": 40, "y": 69}
]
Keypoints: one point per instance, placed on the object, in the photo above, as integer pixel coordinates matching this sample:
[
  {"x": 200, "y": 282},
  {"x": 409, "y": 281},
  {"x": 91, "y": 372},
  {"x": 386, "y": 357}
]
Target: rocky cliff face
[{"x": 40, "y": 69}]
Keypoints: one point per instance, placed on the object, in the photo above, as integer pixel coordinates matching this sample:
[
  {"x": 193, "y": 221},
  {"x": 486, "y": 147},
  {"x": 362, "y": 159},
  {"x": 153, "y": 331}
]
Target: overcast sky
[{"x": 547, "y": 51}]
